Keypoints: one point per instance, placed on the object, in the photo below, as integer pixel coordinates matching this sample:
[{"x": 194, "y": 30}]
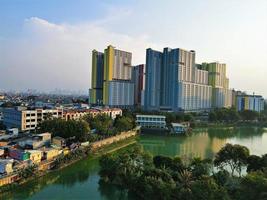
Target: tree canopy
[
  {"x": 233, "y": 156},
  {"x": 171, "y": 178},
  {"x": 76, "y": 129}
]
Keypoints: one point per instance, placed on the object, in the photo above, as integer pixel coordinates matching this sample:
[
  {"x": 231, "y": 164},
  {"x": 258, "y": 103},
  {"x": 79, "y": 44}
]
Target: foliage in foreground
[{"x": 162, "y": 177}]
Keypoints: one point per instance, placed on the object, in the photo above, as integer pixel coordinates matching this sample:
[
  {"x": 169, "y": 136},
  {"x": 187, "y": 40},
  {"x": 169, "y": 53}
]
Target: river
[{"x": 80, "y": 180}]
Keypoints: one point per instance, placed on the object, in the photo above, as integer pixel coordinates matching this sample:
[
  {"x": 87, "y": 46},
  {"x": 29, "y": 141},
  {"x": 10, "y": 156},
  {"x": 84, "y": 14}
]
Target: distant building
[
  {"x": 25, "y": 119},
  {"x": 78, "y": 114},
  {"x": 151, "y": 121},
  {"x": 111, "y": 79},
  {"x": 249, "y": 102}
]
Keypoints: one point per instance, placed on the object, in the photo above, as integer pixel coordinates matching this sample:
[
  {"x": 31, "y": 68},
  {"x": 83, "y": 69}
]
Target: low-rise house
[
  {"x": 36, "y": 141},
  {"x": 6, "y": 166},
  {"x": 18, "y": 154},
  {"x": 59, "y": 141},
  {"x": 9, "y": 179},
  {"x": 50, "y": 153},
  {"x": 35, "y": 156}
]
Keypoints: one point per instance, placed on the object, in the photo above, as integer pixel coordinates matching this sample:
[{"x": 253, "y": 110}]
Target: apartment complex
[
  {"x": 221, "y": 94},
  {"x": 249, "y": 102},
  {"x": 96, "y": 93},
  {"x": 25, "y": 119},
  {"x": 111, "y": 78},
  {"x": 174, "y": 82},
  {"x": 138, "y": 74},
  {"x": 171, "y": 80}
]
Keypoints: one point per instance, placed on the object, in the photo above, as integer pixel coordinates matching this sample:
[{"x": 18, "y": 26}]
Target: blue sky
[{"x": 51, "y": 40}]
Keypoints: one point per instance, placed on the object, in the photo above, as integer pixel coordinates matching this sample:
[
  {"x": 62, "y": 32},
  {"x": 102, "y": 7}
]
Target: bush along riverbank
[{"x": 161, "y": 177}]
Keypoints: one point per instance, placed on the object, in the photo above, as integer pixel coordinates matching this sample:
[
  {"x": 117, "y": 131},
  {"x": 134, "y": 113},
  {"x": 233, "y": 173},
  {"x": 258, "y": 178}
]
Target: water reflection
[{"x": 202, "y": 143}]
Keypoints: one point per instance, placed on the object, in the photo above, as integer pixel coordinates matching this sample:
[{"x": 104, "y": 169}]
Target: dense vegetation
[
  {"x": 162, "y": 177},
  {"x": 231, "y": 115},
  {"x": 105, "y": 126},
  {"x": 77, "y": 130}
]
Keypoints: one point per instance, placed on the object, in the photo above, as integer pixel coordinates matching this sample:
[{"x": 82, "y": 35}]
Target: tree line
[
  {"x": 88, "y": 128},
  {"x": 160, "y": 177}
]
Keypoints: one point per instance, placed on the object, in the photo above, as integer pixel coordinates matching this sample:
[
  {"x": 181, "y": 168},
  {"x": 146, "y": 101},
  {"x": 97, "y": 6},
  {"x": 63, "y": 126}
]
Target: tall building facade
[
  {"x": 96, "y": 93},
  {"x": 221, "y": 94},
  {"x": 115, "y": 85},
  {"x": 174, "y": 82},
  {"x": 138, "y": 73},
  {"x": 153, "y": 78}
]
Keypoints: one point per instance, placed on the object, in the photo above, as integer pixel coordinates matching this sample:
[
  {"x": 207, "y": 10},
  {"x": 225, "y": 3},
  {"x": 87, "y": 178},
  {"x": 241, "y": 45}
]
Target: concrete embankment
[{"x": 122, "y": 136}]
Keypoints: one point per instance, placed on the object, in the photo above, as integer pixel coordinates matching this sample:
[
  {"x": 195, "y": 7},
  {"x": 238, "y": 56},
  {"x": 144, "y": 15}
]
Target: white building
[{"x": 151, "y": 121}]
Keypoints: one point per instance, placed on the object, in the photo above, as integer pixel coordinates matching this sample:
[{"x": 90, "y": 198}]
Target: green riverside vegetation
[{"x": 162, "y": 177}]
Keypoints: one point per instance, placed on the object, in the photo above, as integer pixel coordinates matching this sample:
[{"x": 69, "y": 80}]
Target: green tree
[
  {"x": 254, "y": 186},
  {"x": 213, "y": 116},
  {"x": 123, "y": 123},
  {"x": 206, "y": 188},
  {"x": 77, "y": 129},
  {"x": 200, "y": 168},
  {"x": 102, "y": 123},
  {"x": 256, "y": 163},
  {"x": 249, "y": 115},
  {"x": 233, "y": 156}
]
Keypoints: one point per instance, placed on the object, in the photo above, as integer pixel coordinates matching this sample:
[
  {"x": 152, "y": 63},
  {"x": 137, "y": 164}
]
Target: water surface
[{"x": 80, "y": 180}]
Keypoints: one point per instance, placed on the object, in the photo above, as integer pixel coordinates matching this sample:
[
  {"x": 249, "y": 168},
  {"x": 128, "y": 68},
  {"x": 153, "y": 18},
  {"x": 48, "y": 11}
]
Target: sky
[{"x": 46, "y": 45}]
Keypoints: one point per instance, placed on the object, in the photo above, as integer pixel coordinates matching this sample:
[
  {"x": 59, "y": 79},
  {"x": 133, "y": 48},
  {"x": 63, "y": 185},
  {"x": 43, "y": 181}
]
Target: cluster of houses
[{"x": 39, "y": 149}]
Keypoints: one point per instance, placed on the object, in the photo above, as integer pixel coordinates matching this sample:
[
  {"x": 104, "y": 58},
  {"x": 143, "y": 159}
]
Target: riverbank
[{"x": 95, "y": 149}]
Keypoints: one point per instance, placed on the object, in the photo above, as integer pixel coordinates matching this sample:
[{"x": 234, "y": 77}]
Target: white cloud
[{"x": 49, "y": 55}]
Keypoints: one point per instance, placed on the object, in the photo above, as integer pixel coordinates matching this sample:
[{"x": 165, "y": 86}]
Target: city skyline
[{"x": 54, "y": 48}]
